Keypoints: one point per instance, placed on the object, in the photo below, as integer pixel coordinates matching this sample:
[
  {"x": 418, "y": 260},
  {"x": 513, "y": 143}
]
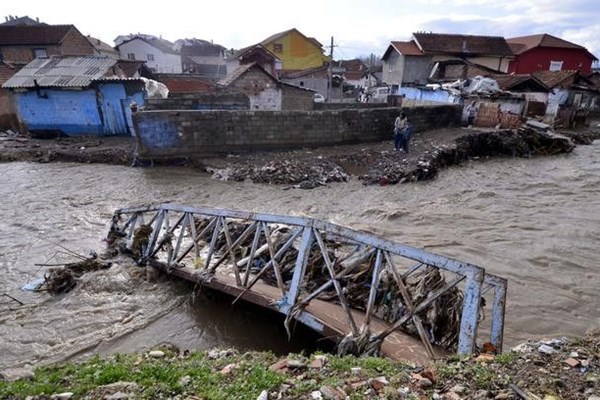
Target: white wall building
[{"x": 158, "y": 54}]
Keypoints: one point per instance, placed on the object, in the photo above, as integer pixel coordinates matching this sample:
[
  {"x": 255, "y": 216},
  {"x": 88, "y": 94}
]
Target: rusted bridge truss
[{"x": 247, "y": 247}]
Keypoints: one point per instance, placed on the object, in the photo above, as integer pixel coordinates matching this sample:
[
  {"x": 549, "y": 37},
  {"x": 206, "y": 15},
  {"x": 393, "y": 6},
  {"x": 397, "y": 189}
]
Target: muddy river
[{"x": 533, "y": 221}]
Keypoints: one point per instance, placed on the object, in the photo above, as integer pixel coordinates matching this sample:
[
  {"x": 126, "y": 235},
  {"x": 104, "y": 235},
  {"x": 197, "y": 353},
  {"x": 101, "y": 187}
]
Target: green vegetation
[{"x": 195, "y": 374}]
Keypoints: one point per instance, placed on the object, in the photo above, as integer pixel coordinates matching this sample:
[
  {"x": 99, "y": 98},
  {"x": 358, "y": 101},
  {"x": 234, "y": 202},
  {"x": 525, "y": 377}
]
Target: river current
[{"x": 533, "y": 221}]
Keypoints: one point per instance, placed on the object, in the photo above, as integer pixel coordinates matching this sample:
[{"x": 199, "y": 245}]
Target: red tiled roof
[
  {"x": 525, "y": 43},
  {"x": 556, "y": 78},
  {"x": 409, "y": 48},
  {"x": 186, "y": 83},
  {"x": 33, "y": 35},
  {"x": 442, "y": 43},
  {"x": 508, "y": 82}
]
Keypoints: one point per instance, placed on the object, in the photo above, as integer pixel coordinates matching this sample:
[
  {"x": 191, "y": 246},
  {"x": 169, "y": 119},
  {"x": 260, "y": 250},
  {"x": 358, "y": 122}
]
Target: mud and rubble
[{"x": 373, "y": 163}]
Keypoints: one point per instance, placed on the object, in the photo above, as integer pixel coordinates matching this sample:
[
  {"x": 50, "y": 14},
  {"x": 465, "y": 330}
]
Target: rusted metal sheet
[{"x": 197, "y": 244}]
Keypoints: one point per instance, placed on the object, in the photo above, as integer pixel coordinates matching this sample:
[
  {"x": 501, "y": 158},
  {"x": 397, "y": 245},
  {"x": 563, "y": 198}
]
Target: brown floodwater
[{"x": 533, "y": 221}]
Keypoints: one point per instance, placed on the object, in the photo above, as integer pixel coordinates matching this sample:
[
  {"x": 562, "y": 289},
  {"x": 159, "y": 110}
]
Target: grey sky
[{"x": 359, "y": 27}]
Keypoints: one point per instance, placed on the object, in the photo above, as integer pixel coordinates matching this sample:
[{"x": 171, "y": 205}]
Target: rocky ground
[
  {"x": 373, "y": 163},
  {"x": 545, "y": 370}
]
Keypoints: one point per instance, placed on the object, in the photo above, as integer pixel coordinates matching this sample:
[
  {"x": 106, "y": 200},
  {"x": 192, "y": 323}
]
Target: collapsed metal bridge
[{"x": 307, "y": 269}]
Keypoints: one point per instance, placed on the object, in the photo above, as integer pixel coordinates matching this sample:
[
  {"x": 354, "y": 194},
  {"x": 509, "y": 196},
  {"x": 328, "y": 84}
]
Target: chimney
[
  {"x": 37, "y": 19},
  {"x": 464, "y": 46}
]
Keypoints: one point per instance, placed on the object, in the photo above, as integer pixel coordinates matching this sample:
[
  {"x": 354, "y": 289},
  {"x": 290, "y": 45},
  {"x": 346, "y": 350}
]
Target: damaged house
[
  {"x": 414, "y": 62},
  {"x": 78, "y": 95},
  {"x": 572, "y": 96},
  {"x": 264, "y": 91}
]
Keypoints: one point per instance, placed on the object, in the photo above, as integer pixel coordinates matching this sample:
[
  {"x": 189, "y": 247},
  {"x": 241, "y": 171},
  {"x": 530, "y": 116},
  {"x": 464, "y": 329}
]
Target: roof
[
  {"x": 565, "y": 79},
  {"x": 161, "y": 44},
  {"x": 202, "y": 49},
  {"x": 130, "y": 67},
  {"x": 65, "y": 71},
  {"x": 444, "y": 43},
  {"x": 22, "y": 35},
  {"x": 101, "y": 46},
  {"x": 186, "y": 83},
  {"x": 408, "y": 48},
  {"x": 508, "y": 82},
  {"x": 7, "y": 70},
  {"x": 239, "y": 54},
  {"x": 276, "y": 36},
  {"x": 522, "y": 44},
  {"x": 241, "y": 70},
  {"x": 11, "y": 21}
]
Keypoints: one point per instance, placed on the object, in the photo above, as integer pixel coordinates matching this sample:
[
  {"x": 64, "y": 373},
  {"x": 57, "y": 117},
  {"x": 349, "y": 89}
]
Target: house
[
  {"x": 265, "y": 91},
  {"x": 8, "y": 113},
  {"x": 21, "y": 41},
  {"x": 353, "y": 71},
  {"x": 255, "y": 54},
  {"x": 102, "y": 48},
  {"x": 545, "y": 52},
  {"x": 75, "y": 95},
  {"x": 19, "y": 44},
  {"x": 571, "y": 98},
  {"x": 407, "y": 63},
  {"x": 453, "y": 70},
  {"x": 158, "y": 54},
  {"x": 316, "y": 79},
  {"x": 295, "y": 50},
  {"x": 202, "y": 57}
]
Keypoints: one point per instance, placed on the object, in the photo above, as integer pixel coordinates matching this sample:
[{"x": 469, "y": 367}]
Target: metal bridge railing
[{"x": 255, "y": 247}]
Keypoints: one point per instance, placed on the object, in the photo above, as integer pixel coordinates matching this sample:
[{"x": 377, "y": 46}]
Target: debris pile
[
  {"x": 527, "y": 141},
  {"x": 62, "y": 279},
  {"x": 304, "y": 175}
]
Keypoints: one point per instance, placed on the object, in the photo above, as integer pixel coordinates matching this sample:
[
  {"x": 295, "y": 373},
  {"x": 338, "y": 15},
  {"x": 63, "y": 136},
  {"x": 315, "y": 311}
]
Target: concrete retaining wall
[{"x": 191, "y": 133}]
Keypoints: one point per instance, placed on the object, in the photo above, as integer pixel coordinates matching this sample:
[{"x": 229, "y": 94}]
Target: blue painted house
[{"x": 84, "y": 95}]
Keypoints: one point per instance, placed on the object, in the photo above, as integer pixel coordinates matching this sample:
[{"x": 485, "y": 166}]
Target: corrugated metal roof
[{"x": 61, "y": 72}]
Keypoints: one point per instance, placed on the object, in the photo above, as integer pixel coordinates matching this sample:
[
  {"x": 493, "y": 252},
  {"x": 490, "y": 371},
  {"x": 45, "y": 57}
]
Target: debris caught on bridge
[
  {"x": 361, "y": 288},
  {"x": 63, "y": 278}
]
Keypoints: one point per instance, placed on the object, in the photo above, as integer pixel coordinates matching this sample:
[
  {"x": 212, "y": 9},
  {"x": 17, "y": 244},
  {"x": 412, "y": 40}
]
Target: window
[
  {"x": 40, "y": 53},
  {"x": 131, "y": 56},
  {"x": 277, "y": 47},
  {"x": 555, "y": 65},
  {"x": 301, "y": 83},
  {"x": 150, "y": 57}
]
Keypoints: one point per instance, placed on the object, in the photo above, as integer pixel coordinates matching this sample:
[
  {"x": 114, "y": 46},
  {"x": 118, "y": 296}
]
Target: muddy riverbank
[{"x": 373, "y": 163}]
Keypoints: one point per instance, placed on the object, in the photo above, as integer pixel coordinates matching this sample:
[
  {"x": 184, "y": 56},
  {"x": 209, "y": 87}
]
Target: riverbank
[
  {"x": 549, "y": 370},
  {"x": 372, "y": 163}
]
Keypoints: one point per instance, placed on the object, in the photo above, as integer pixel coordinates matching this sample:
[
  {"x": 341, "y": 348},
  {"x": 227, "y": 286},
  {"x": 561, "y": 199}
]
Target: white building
[{"x": 158, "y": 54}]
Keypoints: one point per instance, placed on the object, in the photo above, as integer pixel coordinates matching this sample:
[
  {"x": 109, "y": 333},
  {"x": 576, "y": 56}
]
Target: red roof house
[{"x": 545, "y": 52}]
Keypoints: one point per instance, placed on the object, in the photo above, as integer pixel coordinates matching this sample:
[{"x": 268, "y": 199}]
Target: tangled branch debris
[{"x": 62, "y": 279}]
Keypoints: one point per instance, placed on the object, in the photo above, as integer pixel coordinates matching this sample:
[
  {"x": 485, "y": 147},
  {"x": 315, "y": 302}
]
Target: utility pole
[{"x": 330, "y": 72}]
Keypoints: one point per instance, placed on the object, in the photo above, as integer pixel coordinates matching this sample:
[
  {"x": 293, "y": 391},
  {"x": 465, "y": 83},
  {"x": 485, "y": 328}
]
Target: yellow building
[{"x": 296, "y": 51}]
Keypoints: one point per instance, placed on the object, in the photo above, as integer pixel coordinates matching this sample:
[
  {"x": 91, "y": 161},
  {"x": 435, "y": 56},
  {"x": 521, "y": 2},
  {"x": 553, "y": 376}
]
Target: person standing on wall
[{"x": 399, "y": 126}]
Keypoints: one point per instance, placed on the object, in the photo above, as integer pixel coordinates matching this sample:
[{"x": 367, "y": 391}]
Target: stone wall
[
  {"x": 200, "y": 101},
  {"x": 191, "y": 133}
]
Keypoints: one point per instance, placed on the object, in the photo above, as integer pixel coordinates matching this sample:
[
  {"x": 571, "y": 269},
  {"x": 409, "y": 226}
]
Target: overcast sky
[{"x": 358, "y": 27}]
